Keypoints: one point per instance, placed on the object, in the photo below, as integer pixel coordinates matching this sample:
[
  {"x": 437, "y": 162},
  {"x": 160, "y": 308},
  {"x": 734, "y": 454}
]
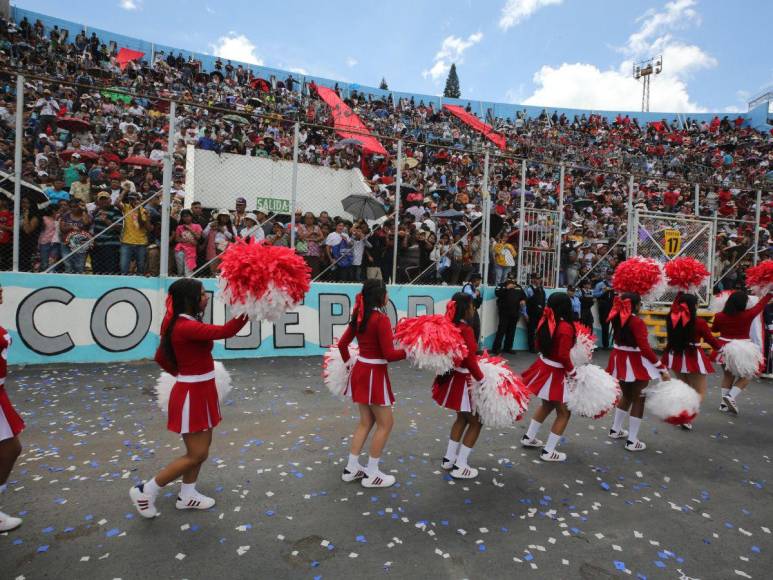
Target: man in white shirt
[{"x": 47, "y": 109}]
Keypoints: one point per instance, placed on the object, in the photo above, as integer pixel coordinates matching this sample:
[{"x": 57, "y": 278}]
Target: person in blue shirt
[
  {"x": 604, "y": 295},
  {"x": 575, "y": 300},
  {"x": 472, "y": 287},
  {"x": 57, "y": 193}
]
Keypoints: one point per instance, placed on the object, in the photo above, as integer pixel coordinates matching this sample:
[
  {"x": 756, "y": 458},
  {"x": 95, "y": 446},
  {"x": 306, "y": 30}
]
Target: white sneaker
[
  {"x": 464, "y": 472},
  {"x": 378, "y": 479},
  {"x": 723, "y": 408},
  {"x": 730, "y": 403},
  {"x": 8, "y": 523},
  {"x": 197, "y": 501},
  {"x": 526, "y": 442},
  {"x": 552, "y": 456},
  {"x": 618, "y": 434},
  {"x": 447, "y": 464},
  {"x": 348, "y": 476},
  {"x": 686, "y": 426},
  {"x": 143, "y": 502},
  {"x": 635, "y": 446}
]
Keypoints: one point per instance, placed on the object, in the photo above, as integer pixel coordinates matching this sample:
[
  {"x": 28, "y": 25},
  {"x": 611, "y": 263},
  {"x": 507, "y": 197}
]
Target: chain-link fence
[{"x": 107, "y": 180}]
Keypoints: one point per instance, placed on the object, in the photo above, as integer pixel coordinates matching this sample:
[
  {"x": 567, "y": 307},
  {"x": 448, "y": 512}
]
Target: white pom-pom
[
  {"x": 167, "y": 381},
  {"x": 659, "y": 288},
  {"x": 593, "y": 392},
  {"x": 582, "y": 351},
  {"x": 718, "y": 301},
  {"x": 742, "y": 358},
  {"x": 438, "y": 363},
  {"x": 270, "y": 306},
  {"x": 672, "y": 401},
  {"x": 501, "y": 397},
  {"x": 335, "y": 372}
]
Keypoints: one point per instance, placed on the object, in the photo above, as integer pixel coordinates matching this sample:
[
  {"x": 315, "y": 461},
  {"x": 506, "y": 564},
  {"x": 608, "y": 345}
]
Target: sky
[{"x": 567, "y": 53}]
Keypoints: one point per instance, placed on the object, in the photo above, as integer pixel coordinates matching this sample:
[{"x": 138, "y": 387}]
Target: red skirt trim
[
  {"x": 546, "y": 381},
  {"x": 369, "y": 385},
  {"x": 453, "y": 392},
  {"x": 10, "y": 422},
  {"x": 628, "y": 366},
  {"x": 693, "y": 360},
  {"x": 193, "y": 407}
]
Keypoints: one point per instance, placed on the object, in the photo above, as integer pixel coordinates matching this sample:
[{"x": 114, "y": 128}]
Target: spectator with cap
[
  {"x": 134, "y": 236},
  {"x": 251, "y": 230},
  {"x": 105, "y": 254},
  {"x": 47, "y": 109},
  {"x": 237, "y": 217}
]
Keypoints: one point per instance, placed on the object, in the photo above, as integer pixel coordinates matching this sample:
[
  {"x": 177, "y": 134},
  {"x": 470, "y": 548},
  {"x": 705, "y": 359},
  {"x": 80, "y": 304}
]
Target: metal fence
[{"x": 154, "y": 204}]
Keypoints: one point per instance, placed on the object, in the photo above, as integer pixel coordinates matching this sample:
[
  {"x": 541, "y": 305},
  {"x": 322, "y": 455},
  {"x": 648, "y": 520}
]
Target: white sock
[
  {"x": 3, "y": 487},
  {"x": 633, "y": 429},
  {"x": 735, "y": 391},
  {"x": 725, "y": 391},
  {"x": 452, "y": 450},
  {"x": 373, "y": 464},
  {"x": 464, "y": 453},
  {"x": 151, "y": 487},
  {"x": 187, "y": 489},
  {"x": 553, "y": 440},
  {"x": 354, "y": 463},
  {"x": 617, "y": 423},
  {"x": 534, "y": 426}
]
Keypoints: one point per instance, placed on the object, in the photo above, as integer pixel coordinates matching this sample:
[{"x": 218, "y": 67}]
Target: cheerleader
[
  {"x": 10, "y": 427},
  {"x": 684, "y": 354},
  {"x": 369, "y": 384},
  {"x": 194, "y": 408},
  {"x": 545, "y": 378},
  {"x": 453, "y": 390},
  {"x": 733, "y": 324},
  {"x": 634, "y": 364}
]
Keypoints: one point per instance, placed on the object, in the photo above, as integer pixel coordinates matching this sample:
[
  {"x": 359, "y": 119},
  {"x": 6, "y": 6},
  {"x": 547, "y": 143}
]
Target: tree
[
  {"x": 452, "y": 84},
  {"x": 383, "y": 86}
]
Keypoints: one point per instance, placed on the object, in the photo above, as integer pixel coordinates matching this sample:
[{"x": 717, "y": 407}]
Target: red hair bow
[
  {"x": 621, "y": 307},
  {"x": 550, "y": 317},
  {"x": 451, "y": 309},
  {"x": 169, "y": 313},
  {"x": 359, "y": 308},
  {"x": 680, "y": 313}
]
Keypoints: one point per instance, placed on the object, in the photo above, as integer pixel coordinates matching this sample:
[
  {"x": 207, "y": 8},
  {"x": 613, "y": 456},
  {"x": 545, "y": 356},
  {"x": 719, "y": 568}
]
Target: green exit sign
[{"x": 272, "y": 205}]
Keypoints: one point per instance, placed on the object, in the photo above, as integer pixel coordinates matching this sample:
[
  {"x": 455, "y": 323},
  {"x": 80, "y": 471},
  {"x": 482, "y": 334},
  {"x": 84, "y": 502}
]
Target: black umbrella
[
  {"x": 405, "y": 188},
  {"x": 582, "y": 203},
  {"x": 450, "y": 214},
  {"x": 363, "y": 206},
  {"x": 29, "y": 190}
]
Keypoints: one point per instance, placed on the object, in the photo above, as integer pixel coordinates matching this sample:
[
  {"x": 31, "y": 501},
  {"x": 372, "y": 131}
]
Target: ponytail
[
  {"x": 558, "y": 308},
  {"x": 184, "y": 297},
  {"x": 681, "y": 332},
  {"x": 372, "y": 297}
]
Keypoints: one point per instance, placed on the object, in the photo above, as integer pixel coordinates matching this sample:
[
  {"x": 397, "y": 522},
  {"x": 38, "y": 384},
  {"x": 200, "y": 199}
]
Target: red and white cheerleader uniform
[
  {"x": 10, "y": 422},
  {"x": 545, "y": 378},
  {"x": 452, "y": 390},
  {"x": 738, "y": 326},
  {"x": 369, "y": 381},
  {"x": 693, "y": 360},
  {"x": 634, "y": 360},
  {"x": 193, "y": 403}
]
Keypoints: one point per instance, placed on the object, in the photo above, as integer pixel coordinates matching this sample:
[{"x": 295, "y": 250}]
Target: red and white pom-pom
[
  {"x": 643, "y": 276},
  {"x": 718, "y": 301},
  {"x": 672, "y": 401},
  {"x": 431, "y": 342},
  {"x": 582, "y": 351},
  {"x": 759, "y": 278},
  {"x": 501, "y": 398},
  {"x": 593, "y": 392},
  {"x": 167, "y": 381},
  {"x": 685, "y": 273},
  {"x": 335, "y": 372},
  {"x": 742, "y": 358},
  {"x": 261, "y": 281}
]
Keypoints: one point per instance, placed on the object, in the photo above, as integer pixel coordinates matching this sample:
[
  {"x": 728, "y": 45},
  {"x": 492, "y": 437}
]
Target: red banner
[
  {"x": 126, "y": 55},
  {"x": 347, "y": 124},
  {"x": 481, "y": 127}
]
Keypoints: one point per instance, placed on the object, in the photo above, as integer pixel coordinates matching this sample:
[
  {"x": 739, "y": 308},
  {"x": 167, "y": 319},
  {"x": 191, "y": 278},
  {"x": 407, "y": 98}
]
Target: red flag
[
  {"x": 127, "y": 55},
  {"x": 481, "y": 127}
]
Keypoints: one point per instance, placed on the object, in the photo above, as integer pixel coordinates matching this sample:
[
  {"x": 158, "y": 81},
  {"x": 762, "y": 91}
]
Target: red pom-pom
[
  {"x": 760, "y": 277},
  {"x": 686, "y": 273},
  {"x": 261, "y": 281},
  {"x": 431, "y": 342},
  {"x": 643, "y": 276}
]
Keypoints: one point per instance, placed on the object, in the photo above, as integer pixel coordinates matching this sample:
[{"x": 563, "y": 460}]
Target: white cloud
[
  {"x": 209, "y": 9},
  {"x": 298, "y": 70},
  {"x": 584, "y": 85},
  {"x": 514, "y": 11},
  {"x": 130, "y": 5},
  {"x": 237, "y": 47},
  {"x": 351, "y": 61},
  {"x": 451, "y": 51}
]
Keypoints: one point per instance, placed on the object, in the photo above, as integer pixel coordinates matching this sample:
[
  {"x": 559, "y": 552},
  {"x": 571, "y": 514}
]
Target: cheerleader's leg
[
  {"x": 530, "y": 437},
  {"x": 384, "y": 422},
  {"x": 10, "y": 449},
  {"x": 454, "y": 440},
  {"x": 549, "y": 452},
  {"x": 462, "y": 470},
  {"x": 367, "y": 420}
]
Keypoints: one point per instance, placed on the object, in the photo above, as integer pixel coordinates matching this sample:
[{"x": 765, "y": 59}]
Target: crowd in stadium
[{"x": 97, "y": 154}]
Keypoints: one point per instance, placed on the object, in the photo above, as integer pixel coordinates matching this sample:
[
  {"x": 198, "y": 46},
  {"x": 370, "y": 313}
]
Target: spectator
[
  {"x": 74, "y": 226},
  {"x": 252, "y": 231},
  {"x": 604, "y": 295},
  {"x": 279, "y": 236},
  {"x": 186, "y": 236},
  {"x": 571, "y": 291},
  {"x": 309, "y": 236},
  {"x": 48, "y": 241},
  {"x": 504, "y": 258},
  {"x": 6, "y": 235},
  {"x": 511, "y": 300},
  {"x": 81, "y": 189},
  {"x": 473, "y": 289},
  {"x": 134, "y": 237},
  {"x": 535, "y": 304},
  {"x": 57, "y": 193},
  {"x": 47, "y": 109},
  {"x": 218, "y": 234},
  {"x": 105, "y": 255},
  {"x": 28, "y": 233},
  {"x": 586, "y": 303},
  {"x": 338, "y": 248}
]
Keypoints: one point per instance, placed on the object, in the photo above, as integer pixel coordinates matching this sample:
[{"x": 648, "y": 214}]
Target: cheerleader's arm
[
  {"x": 386, "y": 341},
  {"x": 639, "y": 330},
  {"x": 343, "y": 343},
  {"x": 202, "y": 332},
  {"x": 565, "y": 337},
  {"x": 471, "y": 360},
  {"x": 704, "y": 332}
]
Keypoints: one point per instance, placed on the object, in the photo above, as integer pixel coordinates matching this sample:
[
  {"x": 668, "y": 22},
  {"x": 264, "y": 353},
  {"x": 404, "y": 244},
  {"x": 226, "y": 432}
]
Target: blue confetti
[
  {"x": 42, "y": 549},
  {"x": 619, "y": 565},
  {"x": 361, "y": 539},
  {"x": 113, "y": 532}
]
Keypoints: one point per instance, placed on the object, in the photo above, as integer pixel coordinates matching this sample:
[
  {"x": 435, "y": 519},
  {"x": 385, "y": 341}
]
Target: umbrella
[
  {"x": 363, "y": 206},
  {"x": 238, "y": 119},
  {"x": 405, "y": 188},
  {"x": 450, "y": 214},
  {"x": 73, "y": 124},
  {"x": 408, "y": 162},
  {"x": 260, "y": 84},
  {"x": 582, "y": 203},
  {"x": 33, "y": 192},
  {"x": 346, "y": 142},
  {"x": 143, "y": 161},
  {"x": 85, "y": 154}
]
